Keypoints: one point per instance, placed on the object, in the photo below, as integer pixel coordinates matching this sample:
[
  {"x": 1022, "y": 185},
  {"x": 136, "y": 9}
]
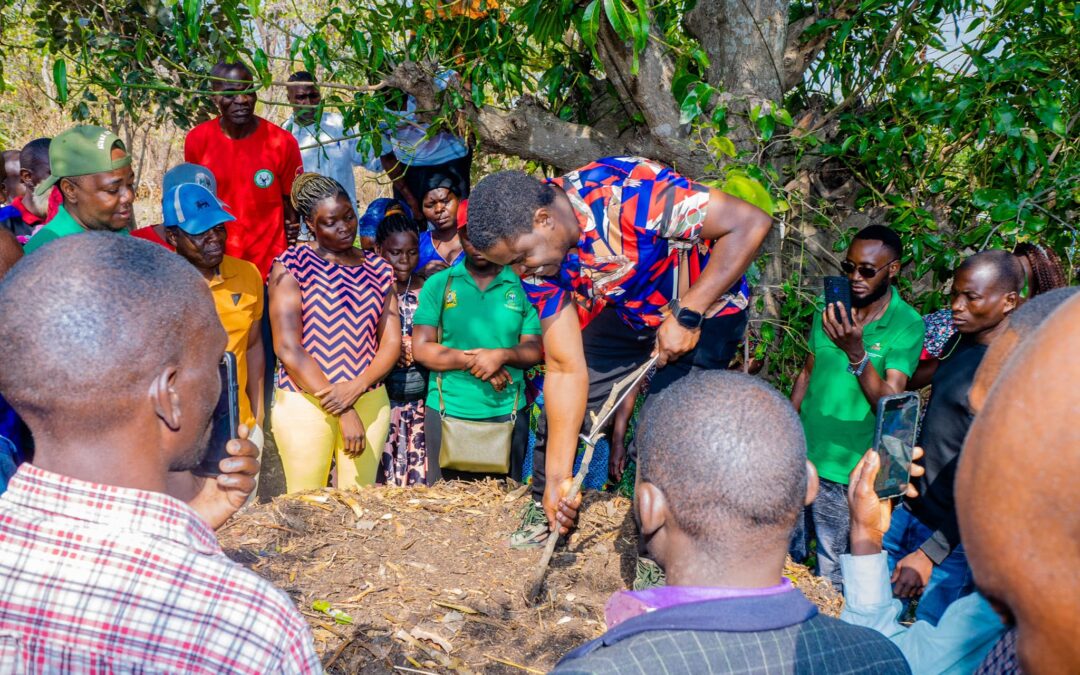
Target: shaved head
[
  {"x": 744, "y": 469},
  {"x": 90, "y": 320},
  {"x": 1022, "y": 325},
  {"x": 1002, "y": 267},
  {"x": 1016, "y": 490}
]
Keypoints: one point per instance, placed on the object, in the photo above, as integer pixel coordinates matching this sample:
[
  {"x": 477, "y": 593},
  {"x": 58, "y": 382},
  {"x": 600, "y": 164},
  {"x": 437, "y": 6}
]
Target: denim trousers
[
  {"x": 827, "y": 520},
  {"x": 950, "y": 581}
]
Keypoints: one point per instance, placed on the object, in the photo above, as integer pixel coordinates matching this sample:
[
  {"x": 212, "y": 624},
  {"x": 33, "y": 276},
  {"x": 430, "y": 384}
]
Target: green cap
[{"x": 81, "y": 151}]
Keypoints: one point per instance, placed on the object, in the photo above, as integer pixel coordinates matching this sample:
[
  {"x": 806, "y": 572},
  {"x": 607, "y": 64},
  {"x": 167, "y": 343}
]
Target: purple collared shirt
[{"x": 628, "y": 604}]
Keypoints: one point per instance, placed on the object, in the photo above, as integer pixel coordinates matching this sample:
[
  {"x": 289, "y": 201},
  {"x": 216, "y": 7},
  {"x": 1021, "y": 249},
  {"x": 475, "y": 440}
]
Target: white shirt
[
  {"x": 324, "y": 151},
  {"x": 966, "y": 632}
]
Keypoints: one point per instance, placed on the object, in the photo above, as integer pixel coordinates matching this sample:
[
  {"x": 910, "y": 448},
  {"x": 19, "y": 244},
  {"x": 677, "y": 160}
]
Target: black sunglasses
[{"x": 865, "y": 271}]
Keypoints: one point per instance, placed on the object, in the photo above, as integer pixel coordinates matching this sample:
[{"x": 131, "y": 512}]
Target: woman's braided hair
[
  {"x": 311, "y": 188},
  {"x": 1046, "y": 270},
  {"x": 394, "y": 222}
]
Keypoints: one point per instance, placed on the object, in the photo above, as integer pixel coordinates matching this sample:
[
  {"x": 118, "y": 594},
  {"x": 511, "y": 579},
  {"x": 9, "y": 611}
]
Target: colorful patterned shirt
[
  {"x": 103, "y": 579},
  {"x": 340, "y": 310},
  {"x": 635, "y": 215}
]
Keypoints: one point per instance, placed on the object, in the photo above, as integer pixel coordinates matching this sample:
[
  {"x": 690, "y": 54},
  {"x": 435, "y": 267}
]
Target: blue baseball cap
[
  {"x": 189, "y": 173},
  {"x": 193, "y": 209}
]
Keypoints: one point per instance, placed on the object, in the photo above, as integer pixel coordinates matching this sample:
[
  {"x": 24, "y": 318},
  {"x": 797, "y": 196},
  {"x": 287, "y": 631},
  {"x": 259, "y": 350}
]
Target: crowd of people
[{"x": 458, "y": 330}]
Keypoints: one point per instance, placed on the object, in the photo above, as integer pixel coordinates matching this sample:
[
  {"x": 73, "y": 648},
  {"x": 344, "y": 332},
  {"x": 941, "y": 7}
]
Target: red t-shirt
[
  {"x": 253, "y": 174},
  {"x": 150, "y": 234}
]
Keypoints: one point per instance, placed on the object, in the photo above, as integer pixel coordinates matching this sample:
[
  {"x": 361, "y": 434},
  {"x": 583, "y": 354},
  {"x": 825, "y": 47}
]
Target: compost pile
[{"x": 397, "y": 580}]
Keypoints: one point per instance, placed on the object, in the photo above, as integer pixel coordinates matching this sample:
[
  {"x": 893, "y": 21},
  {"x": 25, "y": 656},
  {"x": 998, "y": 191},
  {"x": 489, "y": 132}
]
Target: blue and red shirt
[{"x": 635, "y": 217}]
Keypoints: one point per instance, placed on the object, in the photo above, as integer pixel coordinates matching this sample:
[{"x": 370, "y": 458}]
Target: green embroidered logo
[{"x": 512, "y": 300}]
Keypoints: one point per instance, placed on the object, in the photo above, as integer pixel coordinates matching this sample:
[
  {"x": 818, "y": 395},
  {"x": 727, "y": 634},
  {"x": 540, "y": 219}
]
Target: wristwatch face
[{"x": 688, "y": 318}]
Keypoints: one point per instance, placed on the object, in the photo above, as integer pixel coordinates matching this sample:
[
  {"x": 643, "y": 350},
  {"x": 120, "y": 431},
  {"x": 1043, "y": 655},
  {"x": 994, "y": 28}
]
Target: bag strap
[{"x": 439, "y": 337}]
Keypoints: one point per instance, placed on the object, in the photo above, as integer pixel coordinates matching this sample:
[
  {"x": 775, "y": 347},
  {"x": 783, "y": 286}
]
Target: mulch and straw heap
[{"x": 406, "y": 580}]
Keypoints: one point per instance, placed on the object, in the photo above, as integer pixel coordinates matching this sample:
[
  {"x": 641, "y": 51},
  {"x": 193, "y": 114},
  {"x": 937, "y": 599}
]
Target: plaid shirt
[
  {"x": 103, "y": 579},
  {"x": 635, "y": 215}
]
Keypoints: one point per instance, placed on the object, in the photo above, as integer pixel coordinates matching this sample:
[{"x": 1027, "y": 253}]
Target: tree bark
[{"x": 745, "y": 42}]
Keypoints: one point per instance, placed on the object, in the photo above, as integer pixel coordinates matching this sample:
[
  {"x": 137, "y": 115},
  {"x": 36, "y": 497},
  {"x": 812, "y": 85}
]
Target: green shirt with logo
[
  {"x": 62, "y": 225},
  {"x": 836, "y": 416},
  {"x": 494, "y": 318}
]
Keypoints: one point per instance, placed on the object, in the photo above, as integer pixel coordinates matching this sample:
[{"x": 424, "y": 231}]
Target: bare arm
[
  {"x": 848, "y": 336},
  {"x": 434, "y": 356},
  {"x": 566, "y": 393},
  {"x": 256, "y": 373},
  {"x": 395, "y": 170},
  {"x": 526, "y": 353},
  {"x": 292, "y": 223},
  {"x": 389, "y": 334},
  {"x": 924, "y": 374},
  {"x": 875, "y": 388},
  {"x": 285, "y": 317},
  {"x": 738, "y": 229},
  {"x": 798, "y": 390}
]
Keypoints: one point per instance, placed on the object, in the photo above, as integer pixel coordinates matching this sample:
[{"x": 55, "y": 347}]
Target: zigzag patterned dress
[{"x": 340, "y": 311}]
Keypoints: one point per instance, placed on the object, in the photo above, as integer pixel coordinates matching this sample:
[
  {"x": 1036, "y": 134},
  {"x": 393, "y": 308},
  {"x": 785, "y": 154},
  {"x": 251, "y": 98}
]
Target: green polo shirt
[
  {"x": 836, "y": 416},
  {"x": 473, "y": 319},
  {"x": 62, "y": 225}
]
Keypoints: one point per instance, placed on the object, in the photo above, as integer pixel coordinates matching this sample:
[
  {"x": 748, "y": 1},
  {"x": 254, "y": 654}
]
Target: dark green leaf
[{"x": 60, "y": 78}]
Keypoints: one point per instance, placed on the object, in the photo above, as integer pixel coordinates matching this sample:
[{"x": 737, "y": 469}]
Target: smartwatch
[{"x": 687, "y": 318}]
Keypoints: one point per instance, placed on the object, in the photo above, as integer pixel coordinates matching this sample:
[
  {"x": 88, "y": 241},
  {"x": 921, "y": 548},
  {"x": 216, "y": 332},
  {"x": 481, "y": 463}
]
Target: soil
[{"x": 429, "y": 581}]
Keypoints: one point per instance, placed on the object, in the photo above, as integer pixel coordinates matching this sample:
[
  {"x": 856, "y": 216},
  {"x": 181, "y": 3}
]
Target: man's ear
[
  {"x": 166, "y": 399},
  {"x": 543, "y": 218},
  {"x": 25, "y": 177},
  {"x": 811, "y": 483},
  {"x": 170, "y": 236},
  {"x": 894, "y": 269},
  {"x": 1012, "y": 301},
  {"x": 67, "y": 187},
  {"x": 652, "y": 508}
]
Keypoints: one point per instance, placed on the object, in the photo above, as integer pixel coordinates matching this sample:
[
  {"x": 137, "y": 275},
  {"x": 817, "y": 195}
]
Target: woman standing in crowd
[
  {"x": 440, "y": 247},
  {"x": 1042, "y": 272},
  {"x": 404, "y": 459},
  {"x": 490, "y": 335},
  {"x": 337, "y": 333}
]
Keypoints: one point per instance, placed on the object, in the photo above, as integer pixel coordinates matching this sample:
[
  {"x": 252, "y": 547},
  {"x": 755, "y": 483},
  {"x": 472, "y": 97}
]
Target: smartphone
[
  {"x": 225, "y": 422},
  {"x": 894, "y": 442},
  {"x": 838, "y": 289}
]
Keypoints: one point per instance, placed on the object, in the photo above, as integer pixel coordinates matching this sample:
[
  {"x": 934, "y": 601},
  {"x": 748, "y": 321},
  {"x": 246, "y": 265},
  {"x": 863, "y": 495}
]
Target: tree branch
[{"x": 531, "y": 132}]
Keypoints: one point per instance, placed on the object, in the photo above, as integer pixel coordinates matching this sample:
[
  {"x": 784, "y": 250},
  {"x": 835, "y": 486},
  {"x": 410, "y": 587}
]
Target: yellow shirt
[{"x": 238, "y": 297}]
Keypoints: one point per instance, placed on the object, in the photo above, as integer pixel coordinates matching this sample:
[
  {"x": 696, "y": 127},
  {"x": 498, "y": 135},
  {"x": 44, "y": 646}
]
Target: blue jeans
[
  {"x": 950, "y": 581},
  {"x": 828, "y": 521}
]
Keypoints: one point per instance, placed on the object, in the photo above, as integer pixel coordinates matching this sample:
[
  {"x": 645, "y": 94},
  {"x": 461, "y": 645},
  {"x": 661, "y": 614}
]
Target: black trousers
[
  {"x": 613, "y": 351},
  {"x": 519, "y": 444}
]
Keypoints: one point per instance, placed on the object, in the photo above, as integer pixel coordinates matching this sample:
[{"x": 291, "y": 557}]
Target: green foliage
[{"x": 961, "y": 132}]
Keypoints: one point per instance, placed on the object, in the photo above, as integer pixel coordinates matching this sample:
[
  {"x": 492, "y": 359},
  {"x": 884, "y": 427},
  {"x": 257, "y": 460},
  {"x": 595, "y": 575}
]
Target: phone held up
[
  {"x": 225, "y": 422},
  {"x": 838, "y": 289},
  {"x": 894, "y": 442}
]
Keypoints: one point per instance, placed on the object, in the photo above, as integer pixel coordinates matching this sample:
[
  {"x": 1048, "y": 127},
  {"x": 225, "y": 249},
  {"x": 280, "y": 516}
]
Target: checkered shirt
[{"x": 103, "y": 579}]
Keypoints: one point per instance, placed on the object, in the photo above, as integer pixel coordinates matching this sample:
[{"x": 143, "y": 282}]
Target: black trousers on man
[{"x": 613, "y": 351}]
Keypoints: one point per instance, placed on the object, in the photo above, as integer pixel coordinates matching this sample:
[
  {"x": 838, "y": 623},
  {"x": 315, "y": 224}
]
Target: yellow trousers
[{"x": 308, "y": 438}]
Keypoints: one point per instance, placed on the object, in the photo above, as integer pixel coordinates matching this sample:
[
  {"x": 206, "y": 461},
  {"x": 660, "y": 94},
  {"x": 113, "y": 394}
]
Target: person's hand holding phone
[
  {"x": 352, "y": 430},
  {"x": 846, "y": 333},
  {"x": 870, "y": 516},
  {"x": 216, "y": 498}
]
